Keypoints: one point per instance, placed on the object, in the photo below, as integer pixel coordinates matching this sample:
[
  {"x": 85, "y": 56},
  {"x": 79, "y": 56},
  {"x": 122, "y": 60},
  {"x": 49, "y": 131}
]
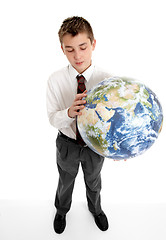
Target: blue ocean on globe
[{"x": 122, "y": 118}]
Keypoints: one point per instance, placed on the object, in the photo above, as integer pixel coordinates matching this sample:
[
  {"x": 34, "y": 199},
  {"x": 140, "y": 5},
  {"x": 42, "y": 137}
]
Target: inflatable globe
[{"x": 122, "y": 118}]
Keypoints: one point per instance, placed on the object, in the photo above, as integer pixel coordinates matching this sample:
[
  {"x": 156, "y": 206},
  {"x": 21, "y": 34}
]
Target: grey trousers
[{"x": 69, "y": 156}]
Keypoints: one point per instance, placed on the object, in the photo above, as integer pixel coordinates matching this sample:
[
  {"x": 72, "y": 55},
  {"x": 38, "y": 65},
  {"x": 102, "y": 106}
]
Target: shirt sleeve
[{"x": 58, "y": 117}]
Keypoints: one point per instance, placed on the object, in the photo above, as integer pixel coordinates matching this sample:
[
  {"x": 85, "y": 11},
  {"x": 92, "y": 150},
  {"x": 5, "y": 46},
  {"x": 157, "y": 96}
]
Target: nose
[{"x": 77, "y": 55}]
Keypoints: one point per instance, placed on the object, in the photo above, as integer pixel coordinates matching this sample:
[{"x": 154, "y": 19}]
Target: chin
[
  {"x": 79, "y": 69},
  {"x": 82, "y": 68}
]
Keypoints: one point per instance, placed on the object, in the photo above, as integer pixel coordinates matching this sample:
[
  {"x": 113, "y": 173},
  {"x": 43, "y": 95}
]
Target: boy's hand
[{"x": 77, "y": 105}]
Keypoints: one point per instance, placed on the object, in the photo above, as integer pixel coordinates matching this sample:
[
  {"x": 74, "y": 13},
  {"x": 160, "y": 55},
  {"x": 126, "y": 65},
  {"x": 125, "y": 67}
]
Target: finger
[
  {"x": 78, "y": 113},
  {"x": 79, "y": 102},
  {"x": 80, "y": 95},
  {"x": 80, "y": 107},
  {"x": 83, "y": 93}
]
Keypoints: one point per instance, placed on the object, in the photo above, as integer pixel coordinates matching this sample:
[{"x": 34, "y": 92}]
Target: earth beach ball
[{"x": 122, "y": 118}]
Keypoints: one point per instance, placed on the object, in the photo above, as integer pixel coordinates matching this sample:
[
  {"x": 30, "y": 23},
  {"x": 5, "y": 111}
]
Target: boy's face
[{"x": 78, "y": 50}]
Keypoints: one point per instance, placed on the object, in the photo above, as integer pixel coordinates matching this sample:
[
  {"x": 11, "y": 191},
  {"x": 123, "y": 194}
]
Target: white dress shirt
[{"x": 61, "y": 92}]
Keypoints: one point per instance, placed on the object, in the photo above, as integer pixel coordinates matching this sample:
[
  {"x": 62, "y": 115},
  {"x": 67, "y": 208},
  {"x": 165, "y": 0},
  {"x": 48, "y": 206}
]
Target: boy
[{"x": 64, "y": 102}]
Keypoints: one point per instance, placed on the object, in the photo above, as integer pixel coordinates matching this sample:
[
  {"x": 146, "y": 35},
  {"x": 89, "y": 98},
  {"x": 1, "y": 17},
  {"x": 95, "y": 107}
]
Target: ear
[
  {"x": 94, "y": 44},
  {"x": 62, "y": 49}
]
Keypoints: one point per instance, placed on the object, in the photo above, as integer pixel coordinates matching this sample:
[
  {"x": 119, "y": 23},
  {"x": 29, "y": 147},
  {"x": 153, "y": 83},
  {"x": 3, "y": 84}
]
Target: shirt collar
[{"x": 87, "y": 73}]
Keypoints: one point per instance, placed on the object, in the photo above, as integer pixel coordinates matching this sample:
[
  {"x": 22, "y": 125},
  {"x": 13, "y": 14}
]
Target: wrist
[{"x": 68, "y": 113}]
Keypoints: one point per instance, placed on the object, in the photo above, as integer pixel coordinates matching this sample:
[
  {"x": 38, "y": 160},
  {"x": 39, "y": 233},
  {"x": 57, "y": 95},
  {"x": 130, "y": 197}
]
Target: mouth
[{"x": 79, "y": 63}]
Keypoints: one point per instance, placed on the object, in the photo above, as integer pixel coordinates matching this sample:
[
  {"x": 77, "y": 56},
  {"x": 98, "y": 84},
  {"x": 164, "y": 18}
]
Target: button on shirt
[{"x": 61, "y": 92}]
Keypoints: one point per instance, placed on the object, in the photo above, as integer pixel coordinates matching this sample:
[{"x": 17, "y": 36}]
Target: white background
[{"x": 130, "y": 42}]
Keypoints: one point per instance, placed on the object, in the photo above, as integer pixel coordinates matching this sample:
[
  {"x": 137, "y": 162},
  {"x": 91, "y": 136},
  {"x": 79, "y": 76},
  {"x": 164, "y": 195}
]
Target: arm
[
  {"x": 58, "y": 118},
  {"x": 62, "y": 118}
]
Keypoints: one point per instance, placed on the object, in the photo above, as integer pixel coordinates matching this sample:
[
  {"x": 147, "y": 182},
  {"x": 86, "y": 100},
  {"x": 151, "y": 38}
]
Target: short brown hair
[{"x": 75, "y": 25}]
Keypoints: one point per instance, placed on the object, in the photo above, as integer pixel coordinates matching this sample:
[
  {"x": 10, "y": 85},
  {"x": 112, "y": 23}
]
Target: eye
[
  {"x": 70, "y": 50},
  {"x": 83, "y": 48}
]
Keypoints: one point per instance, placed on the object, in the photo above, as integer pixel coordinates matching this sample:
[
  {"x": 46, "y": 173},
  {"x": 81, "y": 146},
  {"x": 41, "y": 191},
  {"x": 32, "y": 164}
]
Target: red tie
[
  {"x": 81, "y": 85},
  {"x": 80, "y": 89}
]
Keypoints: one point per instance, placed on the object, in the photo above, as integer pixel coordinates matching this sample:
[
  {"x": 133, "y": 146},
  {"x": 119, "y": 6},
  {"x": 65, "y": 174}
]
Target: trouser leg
[
  {"x": 92, "y": 166},
  {"x": 64, "y": 192},
  {"x": 68, "y": 165}
]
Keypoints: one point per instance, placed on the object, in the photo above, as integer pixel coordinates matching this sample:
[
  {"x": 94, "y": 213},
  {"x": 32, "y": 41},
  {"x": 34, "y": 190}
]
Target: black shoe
[
  {"x": 101, "y": 221},
  {"x": 59, "y": 223}
]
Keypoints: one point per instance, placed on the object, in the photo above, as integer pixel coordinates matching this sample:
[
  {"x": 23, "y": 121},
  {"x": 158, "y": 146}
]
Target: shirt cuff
[{"x": 69, "y": 119}]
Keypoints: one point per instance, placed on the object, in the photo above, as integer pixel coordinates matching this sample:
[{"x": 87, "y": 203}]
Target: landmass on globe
[{"x": 121, "y": 119}]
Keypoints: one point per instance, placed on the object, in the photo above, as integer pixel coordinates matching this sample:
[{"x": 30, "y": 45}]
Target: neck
[{"x": 80, "y": 72}]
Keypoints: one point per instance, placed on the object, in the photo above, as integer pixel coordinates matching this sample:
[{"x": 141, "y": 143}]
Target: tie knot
[{"x": 80, "y": 78}]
